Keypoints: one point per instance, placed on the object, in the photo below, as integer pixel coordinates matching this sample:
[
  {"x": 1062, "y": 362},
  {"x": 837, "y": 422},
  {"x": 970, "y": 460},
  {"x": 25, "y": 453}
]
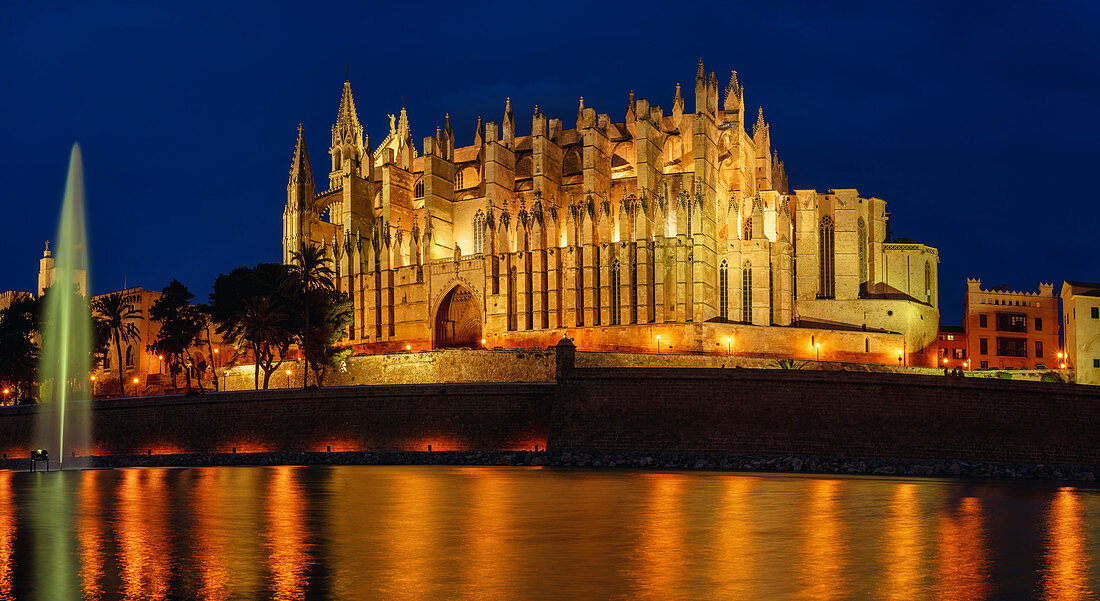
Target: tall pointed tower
[
  {"x": 347, "y": 148},
  {"x": 298, "y": 215}
]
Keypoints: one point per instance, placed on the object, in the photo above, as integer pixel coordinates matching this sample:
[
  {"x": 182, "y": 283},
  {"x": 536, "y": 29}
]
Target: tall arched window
[
  {"x": 724, "y": 290},
  {"x": 861, "y": 241},
  {"x": 458, "y": 181},
  {"x": 771, "y": 294},
  {"x": 130, "y": 356},
  {"x": 479, "y": 232},
  {"x": 512, "y": 299},
  {"x": 616, "y": 294},
  {"x": 927, "y": 282},
  {"x": 418, "y": 189},
  {"x": 633, "y": 286},
  {"x": 746, "y": 230},
  {"x": 827, "y": 268},
  {"x": 746, "y": 293},
  {"x": 690, "y": 213}
]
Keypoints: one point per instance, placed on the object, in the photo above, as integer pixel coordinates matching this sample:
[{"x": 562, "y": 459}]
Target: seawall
[{"x": 619, "y": 409}]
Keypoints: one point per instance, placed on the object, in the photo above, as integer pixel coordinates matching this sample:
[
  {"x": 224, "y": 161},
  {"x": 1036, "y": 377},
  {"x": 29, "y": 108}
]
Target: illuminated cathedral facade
[{"x": 662, "y": 230}]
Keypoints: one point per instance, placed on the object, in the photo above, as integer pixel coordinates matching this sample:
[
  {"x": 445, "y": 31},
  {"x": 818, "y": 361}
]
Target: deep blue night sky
[{"x": 977, "y": 122}]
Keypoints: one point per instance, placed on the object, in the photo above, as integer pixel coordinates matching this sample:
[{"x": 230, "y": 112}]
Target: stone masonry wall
[
  {"x": 826, "y": 413},
  {"x": 455, "y": 416}
]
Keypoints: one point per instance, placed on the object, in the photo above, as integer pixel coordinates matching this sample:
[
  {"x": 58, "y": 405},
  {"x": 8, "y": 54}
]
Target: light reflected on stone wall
[
  {"x": 962, "y": 565},
  {"x": 1065, "y": 575}
]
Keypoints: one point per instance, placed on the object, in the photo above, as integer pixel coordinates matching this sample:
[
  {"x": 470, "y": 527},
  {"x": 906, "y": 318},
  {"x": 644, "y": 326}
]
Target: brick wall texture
[
  {"x": 826, "y": 413},
  {"x": 639, "y": 409}
]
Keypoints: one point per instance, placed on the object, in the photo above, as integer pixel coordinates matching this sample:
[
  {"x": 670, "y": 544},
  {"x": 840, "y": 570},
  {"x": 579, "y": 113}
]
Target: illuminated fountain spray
[{"x": 63, "y": 368}]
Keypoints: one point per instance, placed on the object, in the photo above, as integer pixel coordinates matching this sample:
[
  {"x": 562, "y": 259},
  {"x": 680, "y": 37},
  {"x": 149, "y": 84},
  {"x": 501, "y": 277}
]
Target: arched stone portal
[{"x": 458, "y": 320}]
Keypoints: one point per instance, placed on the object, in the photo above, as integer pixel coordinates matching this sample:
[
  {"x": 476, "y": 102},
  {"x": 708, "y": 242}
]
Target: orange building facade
[
  {"x": 954, "y": 351},
  {"x": 1007, "y": 329}
]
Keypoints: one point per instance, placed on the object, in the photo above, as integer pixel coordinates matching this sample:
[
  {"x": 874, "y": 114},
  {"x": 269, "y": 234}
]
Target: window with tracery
[
  {"x": 616, "y": 294},
  {"x": 724, "y": 290},
  {"x": 827, "y": 259},
  {"x": 746, "y": 230},
  {"x": 418, "y": 189},
  {"x": 479, "y": 232},
  {"x": 746, "y": 293},
  {"x": 458, "y": 181},
  {"x": 927, "y": 282},
  {"x": 861, "y": 241}
]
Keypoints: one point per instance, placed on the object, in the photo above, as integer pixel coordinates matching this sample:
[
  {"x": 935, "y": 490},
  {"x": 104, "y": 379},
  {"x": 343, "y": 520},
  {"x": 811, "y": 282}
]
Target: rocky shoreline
[{"x": 874, "y": 466}]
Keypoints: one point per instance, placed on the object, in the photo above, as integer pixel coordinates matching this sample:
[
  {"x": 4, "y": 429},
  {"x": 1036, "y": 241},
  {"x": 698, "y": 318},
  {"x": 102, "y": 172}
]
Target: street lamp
[
  {"x": 901, "y": 355},
  {"x": 817, "y": 347},
  {"x": 408, "y": 347},
  {"x": 729, "y": 345},
  {"x": 658, "y": 344},
  {"x": 482, "y": 342},
  {"x": 288, "y": 378}
]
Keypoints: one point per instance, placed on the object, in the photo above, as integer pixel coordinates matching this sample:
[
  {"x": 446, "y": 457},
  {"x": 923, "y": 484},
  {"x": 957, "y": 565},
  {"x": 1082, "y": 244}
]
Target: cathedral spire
[
  {"x": 630, "y": 107},
  {"x": 347, "y": 140},
  {"x": 760, "y": 124},
  {"x": 479, "y": 134},
  {"x": 733, "y": 93},
  {"x": 346, "y": 114},
  {"x": 508, "y": 127},
  {"x": 300, "y": 169},
  {"x": 700, "y": 88},
  {"x": 580, "y": 113}
]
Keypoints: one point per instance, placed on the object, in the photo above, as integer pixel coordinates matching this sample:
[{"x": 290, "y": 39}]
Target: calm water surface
[{"x": 530, "y": 534}]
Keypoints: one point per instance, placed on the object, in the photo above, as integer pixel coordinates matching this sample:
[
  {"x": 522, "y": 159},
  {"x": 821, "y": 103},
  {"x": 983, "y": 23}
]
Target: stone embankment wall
[
  {"x": 409, "y": 418},
  {"x": 614, "y": 402},
  {"x": 529, "y": 365},
  {"x": 826, "y": 413}
]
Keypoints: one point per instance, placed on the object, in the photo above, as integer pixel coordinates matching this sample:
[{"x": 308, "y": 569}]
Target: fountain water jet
[{"x": 63, "y": 371}]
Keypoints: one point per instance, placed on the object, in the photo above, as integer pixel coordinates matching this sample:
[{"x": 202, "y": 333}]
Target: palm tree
[
  {"x": 308, "y": 272},
  {"x": 261, "y": 326},
  {"x": 118, "y": 317}
]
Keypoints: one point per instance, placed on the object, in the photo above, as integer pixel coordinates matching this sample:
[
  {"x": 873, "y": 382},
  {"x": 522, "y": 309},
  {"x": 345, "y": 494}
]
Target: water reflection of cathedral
[{"x": 612, "y": 232}]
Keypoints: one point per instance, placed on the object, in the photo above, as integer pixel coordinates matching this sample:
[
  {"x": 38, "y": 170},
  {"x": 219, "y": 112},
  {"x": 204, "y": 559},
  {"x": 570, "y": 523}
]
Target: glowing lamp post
[
  {"x": 901, "y": 356},
  {"x": 658, "y": 344},
  {"x": 482, "y": 342},
  {"x": 817, "y": 347},
  {"x": 729, "y": 345},
  {"x": 288, "y": 378}
]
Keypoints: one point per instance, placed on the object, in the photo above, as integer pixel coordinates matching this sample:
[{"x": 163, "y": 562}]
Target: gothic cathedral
[{"x": 675, "y": 230}]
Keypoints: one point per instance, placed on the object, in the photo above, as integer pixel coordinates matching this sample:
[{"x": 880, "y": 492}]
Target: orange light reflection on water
[
  {"x": 288, "y": 552},
  {"x": 963, "y": 564},
  {"x": 659, "y": 558},
  {"x": 736, "y": 557},
  {"x": 91, "y": 535},
  {"x": 211, "y": 542},
  {"x": 905, "y": 545},
  {"x": 1065, "y": 576},
  {"x": 487, "y": 533},
  {"x": 143, "y": 536},
  {"x": 7, "y": 535},
  {"x": 825, "y": 551}
]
